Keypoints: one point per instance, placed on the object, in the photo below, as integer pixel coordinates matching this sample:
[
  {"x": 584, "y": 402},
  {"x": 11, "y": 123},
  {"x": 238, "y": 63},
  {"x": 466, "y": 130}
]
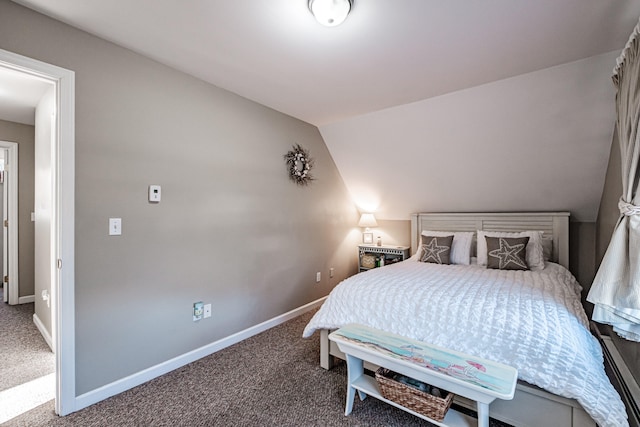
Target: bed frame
[{"x": 531, "y": 406}]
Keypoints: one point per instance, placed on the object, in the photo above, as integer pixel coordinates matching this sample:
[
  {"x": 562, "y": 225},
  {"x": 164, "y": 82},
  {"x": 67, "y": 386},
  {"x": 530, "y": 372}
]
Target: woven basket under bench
[{"x": 409, "y": 397}]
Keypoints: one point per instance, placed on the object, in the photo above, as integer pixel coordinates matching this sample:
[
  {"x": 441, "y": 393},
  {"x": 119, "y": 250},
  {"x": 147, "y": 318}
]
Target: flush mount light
[{"x": 330, "y": 12}]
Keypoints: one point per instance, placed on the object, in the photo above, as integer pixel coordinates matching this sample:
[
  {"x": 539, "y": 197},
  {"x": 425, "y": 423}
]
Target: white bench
[{"x": 477, "y": 379}]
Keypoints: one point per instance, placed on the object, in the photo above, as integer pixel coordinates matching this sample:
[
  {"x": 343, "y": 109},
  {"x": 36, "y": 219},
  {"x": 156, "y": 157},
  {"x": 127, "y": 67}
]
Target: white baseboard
[
  {"x": 116, "y": 387},
  {"x": 27, "y": 299},
  {"x": 43, "y": 331}
]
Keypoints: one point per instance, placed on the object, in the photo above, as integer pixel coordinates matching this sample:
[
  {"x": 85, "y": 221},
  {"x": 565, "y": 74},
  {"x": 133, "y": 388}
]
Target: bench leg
[
  {"x": 483, "y": 414},
  {"x": 355, "y": 369}
]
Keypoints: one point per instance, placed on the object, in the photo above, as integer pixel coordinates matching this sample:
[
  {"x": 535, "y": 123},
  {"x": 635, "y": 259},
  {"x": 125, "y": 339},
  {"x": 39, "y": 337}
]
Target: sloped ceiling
[
  {"x": 539, "y": 141},
  {"x": 455, "y": 95}
]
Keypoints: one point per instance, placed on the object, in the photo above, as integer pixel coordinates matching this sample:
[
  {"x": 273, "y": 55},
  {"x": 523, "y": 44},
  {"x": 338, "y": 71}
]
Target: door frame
[
  {"x": 11, "y": 190},
  {"x": 63, "y": 221}
]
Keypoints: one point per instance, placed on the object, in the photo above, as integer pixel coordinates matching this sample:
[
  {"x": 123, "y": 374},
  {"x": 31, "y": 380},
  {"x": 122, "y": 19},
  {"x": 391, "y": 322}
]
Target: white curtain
[{"x": 616, "y": 287}]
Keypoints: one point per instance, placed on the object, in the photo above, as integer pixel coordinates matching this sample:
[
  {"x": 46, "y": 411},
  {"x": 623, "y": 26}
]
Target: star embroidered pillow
[
  {"x": 436, "y": 249},
  {"x": 506, "y": 253},
  {"x": 460, "y": 247},
  {"x": 535, "y": 255}
]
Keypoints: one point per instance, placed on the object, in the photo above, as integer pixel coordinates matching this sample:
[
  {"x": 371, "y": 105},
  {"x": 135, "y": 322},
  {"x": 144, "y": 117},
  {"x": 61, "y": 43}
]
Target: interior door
[{"x": 5, "y": 230}]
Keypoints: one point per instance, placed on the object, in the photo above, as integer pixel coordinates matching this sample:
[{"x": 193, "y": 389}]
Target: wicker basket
[{"x": 412, "y": 398}]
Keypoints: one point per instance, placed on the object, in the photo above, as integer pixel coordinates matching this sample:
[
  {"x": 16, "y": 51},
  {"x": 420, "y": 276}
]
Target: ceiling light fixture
[{"x": 330, "y": 12}]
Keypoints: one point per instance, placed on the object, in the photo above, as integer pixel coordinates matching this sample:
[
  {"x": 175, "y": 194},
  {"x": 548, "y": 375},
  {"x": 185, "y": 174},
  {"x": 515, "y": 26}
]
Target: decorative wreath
[{"x": 299, "y": 164}]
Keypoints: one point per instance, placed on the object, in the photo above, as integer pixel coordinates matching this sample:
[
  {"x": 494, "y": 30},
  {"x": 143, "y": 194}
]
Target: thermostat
[{"x": 155, "y": 193}]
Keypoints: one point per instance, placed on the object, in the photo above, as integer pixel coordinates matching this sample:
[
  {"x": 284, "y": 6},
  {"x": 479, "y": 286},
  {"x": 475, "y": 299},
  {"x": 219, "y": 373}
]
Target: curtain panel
[{"x": 615, "y": 291}]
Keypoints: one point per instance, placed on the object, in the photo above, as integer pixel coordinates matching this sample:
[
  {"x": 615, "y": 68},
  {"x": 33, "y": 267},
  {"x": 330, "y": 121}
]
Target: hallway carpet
[{"x": 24, "y": 354}]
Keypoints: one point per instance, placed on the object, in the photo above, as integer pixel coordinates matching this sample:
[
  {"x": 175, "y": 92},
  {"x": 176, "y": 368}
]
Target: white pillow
[
  {"x": 535, "y": 254},
  {"x": 461, "y": 246},
  {"x": 547, "y": 247}
]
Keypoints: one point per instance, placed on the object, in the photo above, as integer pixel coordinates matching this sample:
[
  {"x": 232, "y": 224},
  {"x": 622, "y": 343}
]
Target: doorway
[
  {"x": 28, "y": 363},
  {"x": 9, "y": 181},
  {"x": 61, "y": 248}
]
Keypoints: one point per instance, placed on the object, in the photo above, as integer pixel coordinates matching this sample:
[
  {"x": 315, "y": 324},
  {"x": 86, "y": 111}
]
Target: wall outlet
[
  {"x": 45, "y": 297},
  {"x": 318, "y": 277},
  {"x": 198, "y": 311},
  {"x": 331, "y": 271},
  {"x": 207, "y": 310},
  {"x": 155, "y": 193}
]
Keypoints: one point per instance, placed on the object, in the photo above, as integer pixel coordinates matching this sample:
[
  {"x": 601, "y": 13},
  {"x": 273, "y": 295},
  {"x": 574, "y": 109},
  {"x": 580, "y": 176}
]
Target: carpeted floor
[
  {"x": 24, "y": 355},
  {"x": 272, "y": 379}
]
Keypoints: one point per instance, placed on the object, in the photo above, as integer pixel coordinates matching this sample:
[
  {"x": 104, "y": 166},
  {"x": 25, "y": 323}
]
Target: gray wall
[
  {"x": 43, "y": 187},
  {"x": 231, "y": 230},
  {"x": 582, "y": 246},
  {"x": 608, "y": 212},
  {"x": 607, "y": 219},
  {"x": 24, "y": 136},
  {"x": 393, "y": 232}
]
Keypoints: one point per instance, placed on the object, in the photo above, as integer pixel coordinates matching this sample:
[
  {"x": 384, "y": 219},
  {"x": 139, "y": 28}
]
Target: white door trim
[
  {"x": 63, "y": 223},
  {"x": 11, "y": 190}
]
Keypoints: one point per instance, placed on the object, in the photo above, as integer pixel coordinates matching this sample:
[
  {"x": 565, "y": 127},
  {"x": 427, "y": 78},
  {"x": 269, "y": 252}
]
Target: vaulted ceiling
[{"x": 424, "y": 104}]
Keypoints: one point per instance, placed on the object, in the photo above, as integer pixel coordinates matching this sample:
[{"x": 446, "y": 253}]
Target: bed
[{"x": 532, "y": 320}]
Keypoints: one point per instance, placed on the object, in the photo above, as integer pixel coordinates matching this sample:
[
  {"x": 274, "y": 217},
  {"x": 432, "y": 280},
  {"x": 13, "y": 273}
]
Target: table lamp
[{"x": 367, "y": 220}]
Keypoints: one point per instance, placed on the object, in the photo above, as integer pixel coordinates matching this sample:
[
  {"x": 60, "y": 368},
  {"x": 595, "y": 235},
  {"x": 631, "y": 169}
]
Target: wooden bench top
[{"x": 469, "y": 372}]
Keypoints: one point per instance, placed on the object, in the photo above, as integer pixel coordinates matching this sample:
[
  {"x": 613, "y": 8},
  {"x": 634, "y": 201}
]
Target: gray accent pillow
[
  {"x": 507, "y": 253},
  {"x": 436, "y": 249}
]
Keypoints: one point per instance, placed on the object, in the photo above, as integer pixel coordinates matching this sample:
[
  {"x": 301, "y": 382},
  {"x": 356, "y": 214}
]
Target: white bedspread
[{"x": 533, "y": 321}]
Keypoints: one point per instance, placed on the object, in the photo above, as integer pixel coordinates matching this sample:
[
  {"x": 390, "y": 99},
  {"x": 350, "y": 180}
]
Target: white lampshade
[
  {"x": 367, "y": 220},
  {"x": 330, "y": 12}
]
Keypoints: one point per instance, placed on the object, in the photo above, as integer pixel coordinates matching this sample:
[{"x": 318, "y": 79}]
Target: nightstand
[{"x": 369, "y": 256}]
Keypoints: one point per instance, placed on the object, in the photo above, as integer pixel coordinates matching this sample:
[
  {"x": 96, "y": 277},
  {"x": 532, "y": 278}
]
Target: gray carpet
[
  {"x": 24, "y": 355},
  {"x": 272, "y": 379}
]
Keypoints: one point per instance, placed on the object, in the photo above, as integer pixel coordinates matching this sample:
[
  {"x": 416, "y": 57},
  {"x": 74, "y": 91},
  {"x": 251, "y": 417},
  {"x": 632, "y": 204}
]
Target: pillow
[
  {"x": 547, "y": 248},
  {"x": 507, "y": 253},
  {"x": 436, "y": 249},
  {"x": 461, "y": 246},
  {"x": 535, "y": 256}
]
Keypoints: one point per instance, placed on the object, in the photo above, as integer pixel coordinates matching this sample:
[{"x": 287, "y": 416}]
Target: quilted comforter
[{"x": 532, "y": 320}]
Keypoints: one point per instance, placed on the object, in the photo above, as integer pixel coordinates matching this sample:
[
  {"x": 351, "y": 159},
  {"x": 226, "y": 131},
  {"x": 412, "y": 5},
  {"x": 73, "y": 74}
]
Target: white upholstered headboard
[{"x": 553, "y": 224}]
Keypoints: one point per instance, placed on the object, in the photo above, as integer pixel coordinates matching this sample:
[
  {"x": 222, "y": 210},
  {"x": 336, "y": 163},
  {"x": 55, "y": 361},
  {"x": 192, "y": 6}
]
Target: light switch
[{"x": 115, "y": 226}]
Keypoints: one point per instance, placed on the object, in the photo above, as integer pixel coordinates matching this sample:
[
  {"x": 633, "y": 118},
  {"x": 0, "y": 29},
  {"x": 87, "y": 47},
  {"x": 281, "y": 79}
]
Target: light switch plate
[{"x": 115, "y": 226}]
